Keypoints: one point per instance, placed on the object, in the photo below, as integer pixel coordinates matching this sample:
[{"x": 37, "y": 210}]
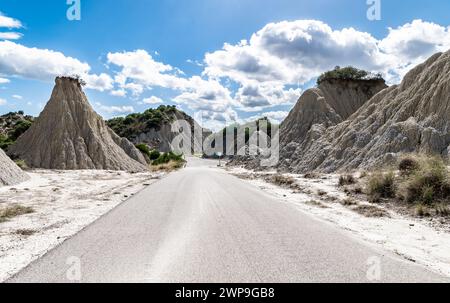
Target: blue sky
[{"x": 265, "y": 75}]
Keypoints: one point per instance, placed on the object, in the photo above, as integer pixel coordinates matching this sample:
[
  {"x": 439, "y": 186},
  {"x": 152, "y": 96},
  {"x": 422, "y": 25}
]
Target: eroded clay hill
[
  {"x": 69, "y": 135},
  {"x": 411, "y": 117},
  {"x": 332, "y": 102},
  {"x": 10, "y": 173}
]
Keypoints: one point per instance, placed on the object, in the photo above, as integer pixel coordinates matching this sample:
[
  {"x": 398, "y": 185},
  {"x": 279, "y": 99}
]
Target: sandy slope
[{"x": 64, "y": 203}]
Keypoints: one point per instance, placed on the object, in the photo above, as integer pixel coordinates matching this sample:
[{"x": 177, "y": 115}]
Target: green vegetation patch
[
  {"x": 12, "y": 126},
  {"x": 348, "y": 73},
  {"x": 137, "y": 123}
]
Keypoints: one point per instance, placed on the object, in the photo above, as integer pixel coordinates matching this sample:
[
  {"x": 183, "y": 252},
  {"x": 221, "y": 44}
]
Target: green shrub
[
  {"x": 143, "y": 148},
  {"x": 22, "y": 164},
  {"x": 167, "y": 157},
  {"x": 20, "y": 128},
  {"x": 348, "y": 73},
  {"x": 5, "y": 142},
  {"x": 154, "y": 154},
  {"x": 381, "y": 185}
]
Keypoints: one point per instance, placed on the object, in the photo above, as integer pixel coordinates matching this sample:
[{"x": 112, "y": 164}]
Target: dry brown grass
[
  {"x": 284, "y": 181},
  {"x": 349, "y": 202},
  {"x": 428, "y": 182},
  {"x": 25, "y": 232},
  {"x": 14, "y": 211},
  {"x": 312, "y": 175},
  {"x": 168, "y": 167},
  {"x": 316, "y": 204},
  {"x": 381, "y": 185},
  {"x": 371, "y": 211},
  {"x": 346, "y": 180}
]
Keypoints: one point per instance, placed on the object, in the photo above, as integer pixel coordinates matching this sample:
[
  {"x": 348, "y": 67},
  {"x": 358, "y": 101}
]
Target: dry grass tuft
[
  {"x": 381, "y": 185},
  {"x": 168, "y": 167},
  {"x": 349, "y": 202},
  {"x": 316, "y": 203},
  {"x": 371, "y": 211},
  {"x": 14, "y": 211},
  {"x": 346, "y": 180},
  {"x": 25, "y": 232}
]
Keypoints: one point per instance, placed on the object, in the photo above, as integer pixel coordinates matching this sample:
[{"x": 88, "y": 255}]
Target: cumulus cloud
[
  {"x": 296, "y": 52},
  {"x": 4, "y": 81},
  {"x": 411, "y": 44},
  {"x": 254, "y": 96},
  {"x": 152, "y": 100},
  {"x": 114, "y": 109},
  {"x": 118, "y": 93},
  {"x": 274, "y": 116},
  {"x": 9, "y": 22},
  {"x": 18, "y": 97},
  {"x": 100, "y": 82},
  {"x": 45, "y": 64},
  {"x": 416, "y": 40},
  {"x": 10, "y": 36},
  {"x": 3, "y": 101},
  {"x": 139, "y": 70},
  {"x": 205, "y": 95},
  {"x": 35, "y": 63}
]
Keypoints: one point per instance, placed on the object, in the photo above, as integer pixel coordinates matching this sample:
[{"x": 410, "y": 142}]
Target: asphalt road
[{"x": 203, "y": 225}]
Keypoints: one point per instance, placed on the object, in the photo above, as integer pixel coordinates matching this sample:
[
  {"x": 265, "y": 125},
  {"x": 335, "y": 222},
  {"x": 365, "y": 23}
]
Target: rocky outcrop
[
  {"x": 332, "y": 102},
  {"x": 68, "y": 134},
  {"x": 10, "y": 173},
  {"x": 411, "y": 117}
]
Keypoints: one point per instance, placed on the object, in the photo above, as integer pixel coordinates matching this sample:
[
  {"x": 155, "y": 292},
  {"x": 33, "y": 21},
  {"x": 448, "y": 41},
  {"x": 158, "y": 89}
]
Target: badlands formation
[
  {"x": 411, "y": 117},
  {"x": 69, "y": 135}
]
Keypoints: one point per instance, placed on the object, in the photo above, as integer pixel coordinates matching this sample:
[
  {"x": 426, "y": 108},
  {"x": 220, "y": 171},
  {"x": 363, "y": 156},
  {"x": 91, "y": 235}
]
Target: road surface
[{"x": 201, "y": 224}]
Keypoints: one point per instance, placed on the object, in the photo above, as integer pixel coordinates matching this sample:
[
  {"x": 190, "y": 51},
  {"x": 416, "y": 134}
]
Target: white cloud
[
  {"x": 100, "y": 82},
  {"x": 411, "y": 44},
  {"x": 254, "y": 96},
  {"x": 114, "y": 109},
  {"x": 296, "y": 52},
  {"x": 18, "y": 97},
  {"x": 416, "y": 40},
  {"x": 273, "y": 116},
  {"x": 139, "y": 70},
  {"x": 3, "y": 101},
  {"x": 10, "y": 36},
  {"x": 152, "y": 100},
  {"x": 205, "y": 95},
  {"x": 4, "y": 81},
  {"x": 119, "y": 93},
  {"x": 9, "y": 22},
  {"x": 35, "y": 63},
  {"x": 45, "y": 64},
  {"x": 293, "y": 52}
]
